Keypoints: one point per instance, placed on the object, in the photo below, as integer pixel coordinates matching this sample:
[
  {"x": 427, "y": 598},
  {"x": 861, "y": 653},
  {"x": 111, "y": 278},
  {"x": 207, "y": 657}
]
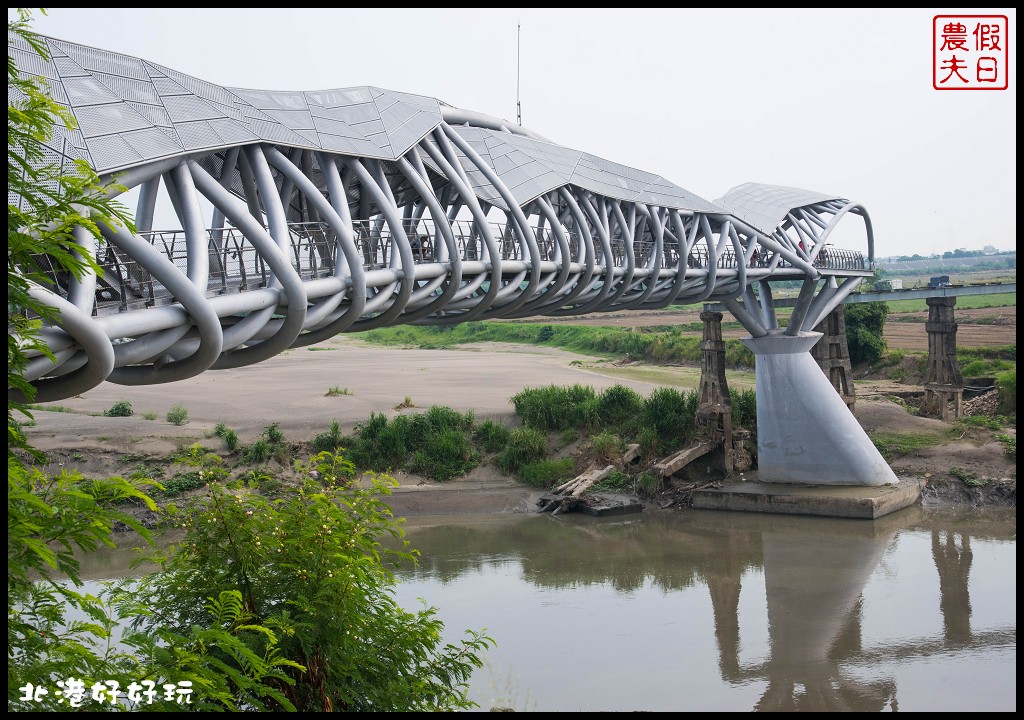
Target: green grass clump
[
  {"x": 608, "y": 446},
  {"x": 122, "y": 408},
  {"x": 178, "y": 414},
  {"x": 671, "y": 413},
  {"x": 445, "y": 455},
  {"x": 229, "y": 436},
  {"x": 968, "y": 477},
  {"x": 492, "y": 435},
  {"x": 547, "y": 473},
  {"x": 555, "y": 407},
  {"x": 892, "y": 445},
  {"x": 329, "y": 441},
  {"x": 184, "y": 482},
  {"x": 437, "y": 443},
  {"x": 1007, "y": 382},
  {"x": 270, "y": 445},
  {"x": 615, "y": 481},
  {"x": 618, "y": 404},
  {"x": 335, "y": 391},
  {"x": 526, "y": 445},
  {"x": 744, "y": 409}
]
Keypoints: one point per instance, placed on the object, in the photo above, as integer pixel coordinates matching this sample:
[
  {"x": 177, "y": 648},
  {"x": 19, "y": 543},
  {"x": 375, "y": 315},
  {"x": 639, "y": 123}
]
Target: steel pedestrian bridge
[{"x": 301, "y": 215}]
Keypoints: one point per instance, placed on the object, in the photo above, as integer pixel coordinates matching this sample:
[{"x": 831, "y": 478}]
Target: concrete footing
[{"x": 842, "y": 501}]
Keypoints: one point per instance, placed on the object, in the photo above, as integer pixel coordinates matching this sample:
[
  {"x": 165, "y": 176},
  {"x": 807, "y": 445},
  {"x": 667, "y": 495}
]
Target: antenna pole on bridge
[{"x": 519, "y": 105}]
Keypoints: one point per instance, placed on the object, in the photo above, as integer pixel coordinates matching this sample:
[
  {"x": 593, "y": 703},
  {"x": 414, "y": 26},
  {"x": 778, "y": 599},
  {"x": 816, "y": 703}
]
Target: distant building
[
  {"x": 990, "y": 250},
  {"x": 896, "y": 284}
]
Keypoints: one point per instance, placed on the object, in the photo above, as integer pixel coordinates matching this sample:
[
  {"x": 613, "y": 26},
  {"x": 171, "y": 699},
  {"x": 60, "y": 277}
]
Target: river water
[{"x": 723, "y": 611}]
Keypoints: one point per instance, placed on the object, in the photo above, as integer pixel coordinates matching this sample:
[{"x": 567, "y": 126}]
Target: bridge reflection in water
[{"x": 731, "y": 612}]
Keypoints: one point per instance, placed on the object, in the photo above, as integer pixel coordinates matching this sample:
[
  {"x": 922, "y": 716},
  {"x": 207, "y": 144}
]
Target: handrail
[{"x": 236, "y": 266}]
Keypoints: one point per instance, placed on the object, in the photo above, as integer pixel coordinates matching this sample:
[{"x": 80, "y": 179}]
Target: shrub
[
  {"x": 744, "y": 409},
  {"x": 122, "y": 408},
  {"x": 557, "y": 408},
  {"x": 259, "y": 452},
  {"x": 273, "y": 434},
  {"x": 183, "y": 482},
  {"x": 445, "y": 455},
  {"x": 325, "y": 584},
  {"x": 671, "y": 414},
  {"x": 178, "y": 414},
  {"x": 526, "y": 445},
  {"x": 493, "y": 435},
  {"x": 618, "y": 403},
  {"x": 335, "y": 391},
  {"x": 865, "y": 323},
  {"x": 270, "y": 445}
]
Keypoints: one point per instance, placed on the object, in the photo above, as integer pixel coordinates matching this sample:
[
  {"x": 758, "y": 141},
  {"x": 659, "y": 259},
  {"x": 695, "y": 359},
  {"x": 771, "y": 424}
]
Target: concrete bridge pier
[
  {"x": 943, "y": 381},
  {"x": 714, "y": 407},
  {"x": 805, "y": 432}
]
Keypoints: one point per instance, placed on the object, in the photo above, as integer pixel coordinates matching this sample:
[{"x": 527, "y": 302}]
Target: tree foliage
[
  {"x": 313, "y": 565},
  {"x": 865, "y": 323},
  {"x": 53, "y": 200}
]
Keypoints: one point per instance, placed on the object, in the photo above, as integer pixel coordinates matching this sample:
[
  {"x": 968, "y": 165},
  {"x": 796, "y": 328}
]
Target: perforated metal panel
[
  {"x": 106, "y": 119},
  {"x": 275, "y": 132},
  {"x": 198, "y": 134},
  {"x": 166, "y": 86},
  {"x": 154, "y": 113},
  {"x": 292, "y": 119},
  {"x": 112, "y": 151},
  {"x": 104, "y": 61},
  {"x": 765, "y": 206},
  {"x": 29, "y": 63},
  {"x": 129, "y": 88},
  {"x": 232, "y": 132},
  {"x": 87, "y": 90},
  {"x": 151, "y": 143},
  {"x": 310, "y": 136},
  {"x": 186, "y": 108}
]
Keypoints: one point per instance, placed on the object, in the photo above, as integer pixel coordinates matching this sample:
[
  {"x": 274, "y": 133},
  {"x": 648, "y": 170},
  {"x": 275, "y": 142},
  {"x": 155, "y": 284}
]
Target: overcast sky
[{"x": 838, "y": 101}]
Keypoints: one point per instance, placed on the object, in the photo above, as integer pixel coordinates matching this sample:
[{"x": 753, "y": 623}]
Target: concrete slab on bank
[{"x": 843, "y": 501}]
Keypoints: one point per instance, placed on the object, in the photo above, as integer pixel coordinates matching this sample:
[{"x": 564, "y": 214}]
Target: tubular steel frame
[{"x": 469, "y": 218}]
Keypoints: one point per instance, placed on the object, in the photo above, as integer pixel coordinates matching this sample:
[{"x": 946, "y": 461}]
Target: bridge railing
[{"x": 236, "y": 266}]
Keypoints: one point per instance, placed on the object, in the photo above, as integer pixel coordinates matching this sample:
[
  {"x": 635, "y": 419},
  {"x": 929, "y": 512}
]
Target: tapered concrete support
[{"x": 805, "y": 433}]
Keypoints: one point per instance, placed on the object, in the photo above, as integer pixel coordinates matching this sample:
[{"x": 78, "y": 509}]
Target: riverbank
[{"x": 302, "y": 391}]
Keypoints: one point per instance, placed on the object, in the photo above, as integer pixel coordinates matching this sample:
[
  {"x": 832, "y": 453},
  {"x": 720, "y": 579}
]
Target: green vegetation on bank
[
  {"x": 442, "y": 444},
  {"x": 963, "y": 302},
  {"x": 651, "y": 345}
]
